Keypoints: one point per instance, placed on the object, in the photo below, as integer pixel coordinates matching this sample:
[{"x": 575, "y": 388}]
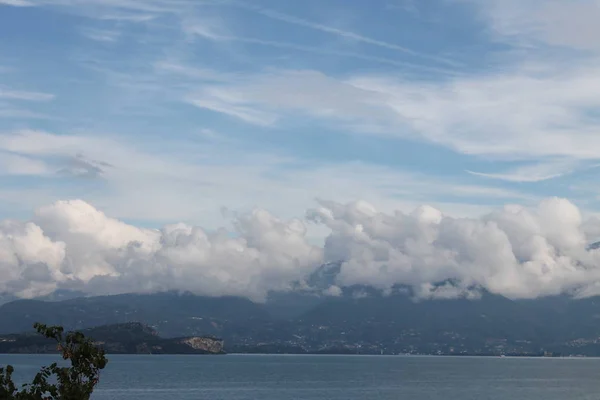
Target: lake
[{"x": 246, "y": 377}]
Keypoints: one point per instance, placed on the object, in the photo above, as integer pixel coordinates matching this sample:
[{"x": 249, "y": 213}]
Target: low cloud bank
[{"x": 515, "y": 251}]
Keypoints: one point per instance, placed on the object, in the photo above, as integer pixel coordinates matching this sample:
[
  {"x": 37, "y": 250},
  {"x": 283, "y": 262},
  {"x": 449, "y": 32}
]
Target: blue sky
[{"x": 159, "y": 111}]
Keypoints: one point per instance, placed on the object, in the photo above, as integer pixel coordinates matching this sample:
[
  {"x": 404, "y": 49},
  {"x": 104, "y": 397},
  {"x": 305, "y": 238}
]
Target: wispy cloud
[
  {"x": 9, "y": 112},
  {"x": 523, "y": 113},
  {"x": 408, "y": 6},
  {"x": 17, "y": 3},
  {"x": 533, "y": 22},
  {"x": 520, "y": 111},
  {"x": 127, "y": 17},
  {"x": 420, "y": 67},
  {"x": 172, "y": 182},
  {"x": 346, "y": 34},
  {"x": 519, "y": 114},
  {"x": 535, "y": 172},
  {"x": 14, "y": 164},
  {"x": 209, "y": 28},
  {"x": 158, "y": 6},
  {"x": 301, "y": 91},
  {"x": 213, "y": 102},
  {"x": 192, "y": 72},
  {"x": 24, "y": 95},
  {"x": 101, "y": 35}
]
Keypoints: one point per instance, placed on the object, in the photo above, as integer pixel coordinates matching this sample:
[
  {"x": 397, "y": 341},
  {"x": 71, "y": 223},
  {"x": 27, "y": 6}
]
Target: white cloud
[
  {"x": 516, "y": 252},
  {"x": 16, "y": 3},
  {"x": 134, "y": 11},
  {"x": 526, "y": 113},
  {"x": 24, "y": 95},
  {"x": 24, "y": 249},
  {"x": 273, "y": 14},
  {"x": 101, "y": 35},
  {"x": 412, "y": 66},
  {"x": 213, "y": 100},
  {"x": 533, "y": 172},
  {"x": 192, "y": 180},
  {"x": 530, "y": 112},
  {"x": 116, "y": 16},
  {"x": 212, "y": 29},
  {"x": 71, "y": 244},
  {"x": 571, "y": 24},
  {"x": 134, "y": 5},
  {"x": 301, "y": 91},
  {"x": 13, "y": 164},
  {"x": 11, "y": 103},
  {"x": 333, "y": 291},
  {"x": 194, "y": 73},
  {"x": 19, "y": 113}
]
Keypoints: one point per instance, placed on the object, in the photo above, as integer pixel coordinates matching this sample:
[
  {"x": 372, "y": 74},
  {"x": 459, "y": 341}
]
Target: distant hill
[
  {"x": 171, "y": 314},
  {"x": 304, "y": 321},
  {"x": 129, "y": 338}
]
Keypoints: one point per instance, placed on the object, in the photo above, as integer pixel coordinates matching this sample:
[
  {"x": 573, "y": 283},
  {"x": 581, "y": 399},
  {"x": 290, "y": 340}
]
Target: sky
[{"x": 176, "y": 138}]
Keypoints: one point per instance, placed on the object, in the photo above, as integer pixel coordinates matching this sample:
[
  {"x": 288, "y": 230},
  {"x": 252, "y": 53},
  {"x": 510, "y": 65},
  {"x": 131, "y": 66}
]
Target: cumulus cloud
[
  {"x": 515, "y": 251},
  {"x": 70, "y": 244}
]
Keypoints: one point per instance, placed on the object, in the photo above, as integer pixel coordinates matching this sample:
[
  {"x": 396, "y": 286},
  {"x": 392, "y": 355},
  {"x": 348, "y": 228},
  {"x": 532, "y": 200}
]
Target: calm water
[{"x": 337, "y": 377}]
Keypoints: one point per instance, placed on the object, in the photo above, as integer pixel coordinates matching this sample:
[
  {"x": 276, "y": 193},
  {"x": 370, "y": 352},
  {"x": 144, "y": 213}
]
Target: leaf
[{"x": 76, "y": 382}]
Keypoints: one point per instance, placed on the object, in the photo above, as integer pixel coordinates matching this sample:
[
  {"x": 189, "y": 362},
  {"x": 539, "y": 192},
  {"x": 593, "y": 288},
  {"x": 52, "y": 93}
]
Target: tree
[{"x": 53, "y": 382}]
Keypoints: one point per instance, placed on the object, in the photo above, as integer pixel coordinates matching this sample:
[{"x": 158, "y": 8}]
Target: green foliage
[{"x": 53, "y": 382}]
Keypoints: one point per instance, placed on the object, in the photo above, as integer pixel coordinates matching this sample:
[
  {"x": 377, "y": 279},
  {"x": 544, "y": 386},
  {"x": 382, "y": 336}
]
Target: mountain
[
  {"x": 490, "y": 325},
  {"x": 291, "y": 305},
  {"x": 171, "y": 314},
  {"x": 7, "y": 298},
  {"x": 371, "y": 323},
  {"x": 594, "y": 246},
  {"x": 129, "y": 338},
  {"x": 324, "y": 276},
  {"x": 60, "y": 295}
]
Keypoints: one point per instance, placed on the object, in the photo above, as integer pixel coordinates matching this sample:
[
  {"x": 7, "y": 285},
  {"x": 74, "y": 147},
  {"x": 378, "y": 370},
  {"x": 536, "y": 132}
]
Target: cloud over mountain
[{"x": 515, "y": 251}]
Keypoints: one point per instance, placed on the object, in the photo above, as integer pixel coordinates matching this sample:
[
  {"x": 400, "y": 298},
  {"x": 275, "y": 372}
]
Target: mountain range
[{"x": 306, "y": 321}]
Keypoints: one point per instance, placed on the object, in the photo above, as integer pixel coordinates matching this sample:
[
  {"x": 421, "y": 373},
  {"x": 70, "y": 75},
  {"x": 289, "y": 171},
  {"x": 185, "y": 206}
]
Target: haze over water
[{"x": 245, "y": 377}]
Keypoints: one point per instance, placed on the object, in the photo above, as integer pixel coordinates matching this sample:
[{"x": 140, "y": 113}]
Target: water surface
[{"x": 245, "y": 377}]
